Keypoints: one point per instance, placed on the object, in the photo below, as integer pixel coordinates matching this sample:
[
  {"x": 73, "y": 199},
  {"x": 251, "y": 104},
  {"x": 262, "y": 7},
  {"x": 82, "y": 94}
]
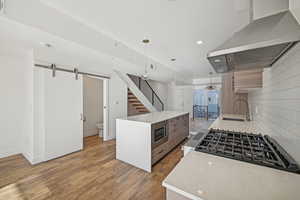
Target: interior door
[
  {"x": 63, "y": 108},
  {"x": 92, "y": 105}
]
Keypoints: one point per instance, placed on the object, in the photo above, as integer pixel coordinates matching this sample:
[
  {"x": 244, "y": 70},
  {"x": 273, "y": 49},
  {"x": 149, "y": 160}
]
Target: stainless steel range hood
[{"x": 260, "y": 44}]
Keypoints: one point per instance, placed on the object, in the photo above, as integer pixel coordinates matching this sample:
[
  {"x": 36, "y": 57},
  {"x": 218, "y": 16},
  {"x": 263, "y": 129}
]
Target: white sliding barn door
[{"x": 63, "y": 107}]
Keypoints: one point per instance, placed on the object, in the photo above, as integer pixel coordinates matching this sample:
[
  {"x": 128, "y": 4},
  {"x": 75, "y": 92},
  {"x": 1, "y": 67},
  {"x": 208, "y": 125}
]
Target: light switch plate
[
  {"x": 256, "y": 110},
  {"x": 2, "y": 7}
]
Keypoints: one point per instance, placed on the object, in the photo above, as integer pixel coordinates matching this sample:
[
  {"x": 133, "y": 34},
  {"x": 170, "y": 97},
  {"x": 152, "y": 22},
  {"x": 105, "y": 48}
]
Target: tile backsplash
[{"x": 276, "y": 107}]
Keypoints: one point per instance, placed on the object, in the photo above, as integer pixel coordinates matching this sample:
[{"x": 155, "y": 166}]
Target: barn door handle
[{"x": 82, "y": 117}]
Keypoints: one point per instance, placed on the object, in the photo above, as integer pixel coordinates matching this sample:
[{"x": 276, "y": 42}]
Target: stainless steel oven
[{"x": 159, "y": 134}]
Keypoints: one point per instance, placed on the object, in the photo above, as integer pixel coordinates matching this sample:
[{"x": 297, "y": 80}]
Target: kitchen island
[{"x": 142, "y": 140}]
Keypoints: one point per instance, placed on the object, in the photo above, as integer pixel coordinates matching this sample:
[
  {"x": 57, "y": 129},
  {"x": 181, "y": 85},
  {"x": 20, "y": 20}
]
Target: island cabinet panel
[{"x": 178, "y": 129}]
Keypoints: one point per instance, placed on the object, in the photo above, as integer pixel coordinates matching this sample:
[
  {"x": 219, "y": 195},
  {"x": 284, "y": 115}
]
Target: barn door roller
[{"x": 54, "y": 68}]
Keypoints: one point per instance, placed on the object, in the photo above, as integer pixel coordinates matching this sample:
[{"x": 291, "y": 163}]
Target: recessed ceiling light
[
  {"x": 146, "y": 41},
  {"x": 200, "y": 192},
  {"x": 217, "y": 60},
  {"x": 46, "y": 44},
  {"x": 173, "y": 59},
  {"x": 199, "y": 42}
]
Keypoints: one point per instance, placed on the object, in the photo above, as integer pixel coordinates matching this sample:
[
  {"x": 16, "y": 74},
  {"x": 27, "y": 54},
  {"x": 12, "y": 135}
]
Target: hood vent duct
[{"x": 258, "y": 45}]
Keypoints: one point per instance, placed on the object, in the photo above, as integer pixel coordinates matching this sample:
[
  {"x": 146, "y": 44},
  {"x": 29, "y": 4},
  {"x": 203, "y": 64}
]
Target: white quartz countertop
[
  {"x": 203, "y": 176},
  {"x": 155, "y": 117},
  {"x": 239, "y": 126}
]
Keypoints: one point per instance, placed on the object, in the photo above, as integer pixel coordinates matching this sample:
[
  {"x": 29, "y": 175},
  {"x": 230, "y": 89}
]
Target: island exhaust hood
[{"x": 258, "y": 45}]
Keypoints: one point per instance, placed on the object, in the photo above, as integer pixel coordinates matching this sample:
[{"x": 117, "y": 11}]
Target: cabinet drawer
[{"x": 159, "y": 152}]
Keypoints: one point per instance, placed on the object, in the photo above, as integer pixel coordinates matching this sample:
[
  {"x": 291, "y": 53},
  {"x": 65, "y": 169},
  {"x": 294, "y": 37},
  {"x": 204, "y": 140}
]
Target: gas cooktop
[{"x": 252, "y": 148}]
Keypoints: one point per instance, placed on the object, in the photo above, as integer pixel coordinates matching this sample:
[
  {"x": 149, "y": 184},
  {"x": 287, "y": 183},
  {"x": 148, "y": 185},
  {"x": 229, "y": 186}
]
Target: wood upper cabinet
[
  {"x": 245, "y": 81},
  {"x": 229, "y": 98}
]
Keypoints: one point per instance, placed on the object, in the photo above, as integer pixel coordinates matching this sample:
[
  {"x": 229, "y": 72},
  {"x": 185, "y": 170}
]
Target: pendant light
[
  {"x": 173, "y": 83},
  {"x": 145, "y": 76},
  {"x": 210, "y": 86}
]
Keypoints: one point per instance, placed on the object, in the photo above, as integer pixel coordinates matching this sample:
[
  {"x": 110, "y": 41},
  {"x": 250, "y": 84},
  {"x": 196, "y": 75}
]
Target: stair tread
[
  {"x": 134, "y": 100},
  {"x": 141, "y": 109}
]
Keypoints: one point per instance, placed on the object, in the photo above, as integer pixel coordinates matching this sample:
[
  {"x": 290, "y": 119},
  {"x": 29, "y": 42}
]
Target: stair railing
[
  {"x": 153, "y": 94},
  {"x": 153, "y": 97}
]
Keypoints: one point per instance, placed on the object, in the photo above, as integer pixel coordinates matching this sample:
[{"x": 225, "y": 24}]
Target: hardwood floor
[
  {"x": 93, "y": 173},
  {"x": 197, "y": 125}
]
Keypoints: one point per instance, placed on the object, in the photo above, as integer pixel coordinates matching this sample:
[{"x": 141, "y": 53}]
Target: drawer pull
[{"x": 161, "y": 151}]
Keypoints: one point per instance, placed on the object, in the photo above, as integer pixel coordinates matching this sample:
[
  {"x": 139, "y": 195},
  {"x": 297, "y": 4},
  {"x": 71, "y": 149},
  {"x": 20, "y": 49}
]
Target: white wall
[
  {"x": 92, "y": 104},
  {"x": 205, "y": 81},
  {"x": 16, "y": 86},
  {"x": 117, "y": 103},
  {"x": 263, "y": 8},
  {"x": 161, "y": 89},
  {"x": 20, "y": 120},
  {"x": 181, "y": 98},
  {"x": 295, "y": 8},
  {"x": 278, "y": 103},
  {"x": 38, "y": 115}
]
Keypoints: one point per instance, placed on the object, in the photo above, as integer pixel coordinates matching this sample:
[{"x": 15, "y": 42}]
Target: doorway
[
  {"x": 94, "y": 107},
  {"x": 206, "y": 104},
  {"x": 59, "y": 111}
]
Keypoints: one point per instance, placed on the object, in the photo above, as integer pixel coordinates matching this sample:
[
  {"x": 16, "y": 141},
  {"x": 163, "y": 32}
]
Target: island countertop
[
  {"x": 154, "y": 117},
  {"x": 200, "y": 176}
]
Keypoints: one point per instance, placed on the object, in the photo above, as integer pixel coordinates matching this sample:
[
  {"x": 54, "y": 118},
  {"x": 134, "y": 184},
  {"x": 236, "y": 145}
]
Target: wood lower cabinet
[
  {"x": 159, "y": 152},
  {"x": 178, "y": 129}
]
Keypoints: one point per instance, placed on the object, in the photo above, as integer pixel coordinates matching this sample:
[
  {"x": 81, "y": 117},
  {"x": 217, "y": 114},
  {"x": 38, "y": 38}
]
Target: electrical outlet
[{"x": 2, "y": 7}]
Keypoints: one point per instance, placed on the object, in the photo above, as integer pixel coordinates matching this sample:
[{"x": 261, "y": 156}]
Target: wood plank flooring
[{"x": 93, "y": 173}]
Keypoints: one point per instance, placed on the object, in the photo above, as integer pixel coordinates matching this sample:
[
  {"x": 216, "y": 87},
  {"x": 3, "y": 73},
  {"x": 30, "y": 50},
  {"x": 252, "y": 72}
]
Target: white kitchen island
[{"x": 135, "y": 137}]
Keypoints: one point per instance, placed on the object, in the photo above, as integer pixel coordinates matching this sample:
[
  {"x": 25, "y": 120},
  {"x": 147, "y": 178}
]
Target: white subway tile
[{"x": 278, "y": 102}]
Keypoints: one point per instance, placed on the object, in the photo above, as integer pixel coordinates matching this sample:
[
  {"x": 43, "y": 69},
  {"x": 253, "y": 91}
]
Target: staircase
[
  {"x": 134, "y": 105},
  {"x": 141, "y": 97}
]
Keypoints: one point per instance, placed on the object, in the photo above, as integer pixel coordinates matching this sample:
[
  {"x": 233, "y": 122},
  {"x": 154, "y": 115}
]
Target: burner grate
[{"x": 245, "y": 147}]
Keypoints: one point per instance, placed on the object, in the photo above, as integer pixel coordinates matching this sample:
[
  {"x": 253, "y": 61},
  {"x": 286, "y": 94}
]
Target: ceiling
[
  {"x": 16, "y": 38},
  {"x": 173, "y": 26},
  {"x": 102, "y": 26}
]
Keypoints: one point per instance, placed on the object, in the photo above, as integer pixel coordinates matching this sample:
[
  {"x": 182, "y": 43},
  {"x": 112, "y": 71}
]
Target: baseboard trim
[
  {"x": 90, "y": 132},
  {"x": 9, "y": 152},
  {"x": 28, "y": 157}
]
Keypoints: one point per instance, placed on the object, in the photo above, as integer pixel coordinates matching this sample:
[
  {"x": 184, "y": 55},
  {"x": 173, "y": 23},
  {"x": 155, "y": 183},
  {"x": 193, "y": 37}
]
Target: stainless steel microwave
[{"x": 159, "y": 134}]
